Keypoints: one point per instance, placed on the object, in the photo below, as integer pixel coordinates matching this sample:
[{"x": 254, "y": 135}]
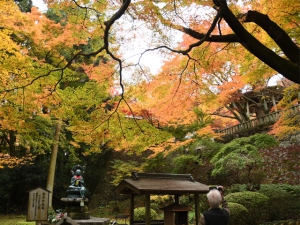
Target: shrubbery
[
  {"x": 240, "y": 161},
  {"x": 139, "y": 214},
  {"x": 256, "y": 204},
  {"x": 238, "y": 214},
  {"x": 283, "y": 201},
  {"x": 286, "y": 163}
]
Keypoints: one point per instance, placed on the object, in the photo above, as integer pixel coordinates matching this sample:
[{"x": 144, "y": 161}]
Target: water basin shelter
[{"x": 162, "y": 184}]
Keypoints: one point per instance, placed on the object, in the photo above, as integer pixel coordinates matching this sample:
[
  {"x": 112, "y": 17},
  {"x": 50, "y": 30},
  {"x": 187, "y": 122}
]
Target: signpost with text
[{"x": 38, "y": 205}]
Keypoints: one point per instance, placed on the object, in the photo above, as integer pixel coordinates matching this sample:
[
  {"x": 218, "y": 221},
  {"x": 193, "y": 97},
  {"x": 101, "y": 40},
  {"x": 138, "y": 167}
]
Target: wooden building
[{"x": 162, "y": 184}]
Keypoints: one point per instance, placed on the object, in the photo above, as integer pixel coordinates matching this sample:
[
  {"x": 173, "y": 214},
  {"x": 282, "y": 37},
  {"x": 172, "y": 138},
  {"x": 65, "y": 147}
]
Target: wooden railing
[{"x": 261, "y": 121}]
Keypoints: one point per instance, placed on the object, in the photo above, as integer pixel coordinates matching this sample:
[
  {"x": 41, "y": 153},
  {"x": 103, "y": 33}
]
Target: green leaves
[
  {"x": 122, "y": 170},
  {"x": 241, "y": 160},
  {"x": 185, "y": 163}
]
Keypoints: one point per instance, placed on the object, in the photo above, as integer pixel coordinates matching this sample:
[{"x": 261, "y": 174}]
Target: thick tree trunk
[
  {"x": 52, "y": 166},
  {"x": 290, "y": 49},
  {"x": 12, "y": 140},
  {"x": 290, "y": 69},
  {"x": 285, "y": 67}
]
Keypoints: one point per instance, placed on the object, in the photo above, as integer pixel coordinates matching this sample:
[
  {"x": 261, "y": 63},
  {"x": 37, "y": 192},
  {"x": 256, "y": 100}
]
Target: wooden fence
[{"x": 261, "y": 121}]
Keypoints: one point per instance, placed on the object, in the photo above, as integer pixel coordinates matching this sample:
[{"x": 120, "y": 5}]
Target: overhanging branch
[{"x": 290, "y": 49}]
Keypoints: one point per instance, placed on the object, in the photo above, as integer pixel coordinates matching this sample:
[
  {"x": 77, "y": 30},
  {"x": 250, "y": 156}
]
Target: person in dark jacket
[{"x": 216, "y": 215}]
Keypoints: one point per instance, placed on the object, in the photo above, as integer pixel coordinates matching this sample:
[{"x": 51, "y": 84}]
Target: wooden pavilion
[{"x": 161, "y": 184}]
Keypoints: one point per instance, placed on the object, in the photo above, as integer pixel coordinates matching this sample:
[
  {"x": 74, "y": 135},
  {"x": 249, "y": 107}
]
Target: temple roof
[{"x": 160, "y": 183}]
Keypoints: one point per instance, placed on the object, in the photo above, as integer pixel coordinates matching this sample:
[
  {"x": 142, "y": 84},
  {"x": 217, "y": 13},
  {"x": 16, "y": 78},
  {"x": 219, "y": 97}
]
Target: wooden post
[
  {"x": 147, "y": 209},
  {"x": 197, "y": 208},
  {"x": 248, "y": 109},
  {"x": 274, "y": 103},
  {"x": 131, "y": 209},
  {"x": 52, "y": 166}
]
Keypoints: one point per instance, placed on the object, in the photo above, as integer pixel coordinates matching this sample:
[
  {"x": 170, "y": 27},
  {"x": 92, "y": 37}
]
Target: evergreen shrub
[
  {"x": 238, "y": 214},
  {"x": 284, "y": 201},
  {"x": 255, "y": 203},
  {"x": 236, "y": 188}
]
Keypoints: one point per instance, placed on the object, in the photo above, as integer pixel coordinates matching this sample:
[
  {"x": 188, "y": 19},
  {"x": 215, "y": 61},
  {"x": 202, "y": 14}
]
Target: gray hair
[{"x": 214, "y": 198}]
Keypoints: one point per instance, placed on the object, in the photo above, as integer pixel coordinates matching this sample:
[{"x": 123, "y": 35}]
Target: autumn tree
[
  {"x": 71, "y": 77},
  {"x": 214, "y": 71},
  {"x": 197, "y": 53},
  {"x": 15, "y": 67},
  {"x": 205, "y": 53},
  {"x": 54, "y": 70},
  {"x": 252, "y": 38},
  {"x": 231, "y": 25},
  {"x": 31, "y": 53},
  {"x": 193, "y": 52}
]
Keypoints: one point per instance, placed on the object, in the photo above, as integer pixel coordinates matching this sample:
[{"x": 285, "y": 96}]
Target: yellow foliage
[
  {"x": 160, "y": 198},
  {"x": 168, "y": 147},
  {"x": 7, "y": 161},
  {"x": 208, "y": 132}
]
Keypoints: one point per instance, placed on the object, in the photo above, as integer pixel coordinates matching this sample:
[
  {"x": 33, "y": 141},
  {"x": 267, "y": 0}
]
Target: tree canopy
[
  {"x": 47, "y": 76},
  {"x": 267, "y": 31},
  {"x": 73, "y": 63},
  {"x": 222, "y": 65}
]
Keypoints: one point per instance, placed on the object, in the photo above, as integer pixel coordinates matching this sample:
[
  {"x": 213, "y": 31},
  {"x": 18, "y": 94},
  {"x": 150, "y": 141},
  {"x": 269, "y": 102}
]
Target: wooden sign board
[{"x": 38, "y": 205}]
